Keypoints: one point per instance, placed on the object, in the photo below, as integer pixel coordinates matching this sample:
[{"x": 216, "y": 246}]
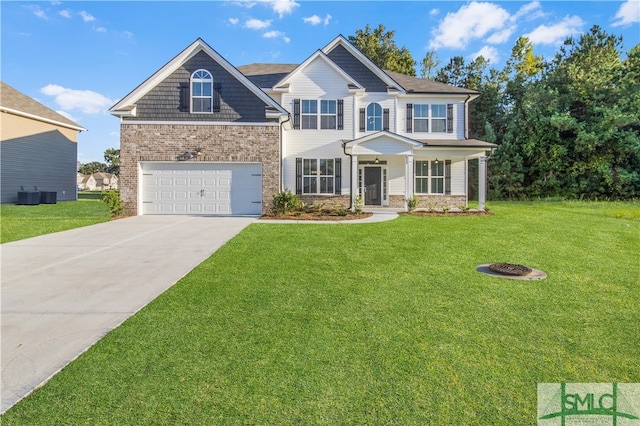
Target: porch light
[
  {"x": 436, "y": 160},
  {"x": 376, "y": 161}
]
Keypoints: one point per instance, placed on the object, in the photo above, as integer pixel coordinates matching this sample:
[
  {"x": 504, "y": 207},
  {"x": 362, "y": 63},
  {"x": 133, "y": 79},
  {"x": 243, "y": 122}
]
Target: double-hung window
[
  {"x": 437, "y": 177},
  {"x": 328, "y": 114},
  {"x": 430, "y": 177},
  {"x": 318, "y": 176},
  {"x": 422, "y": 177},
  {"x": 309, "y": 114},
  {"x": 421, "y": 118},
  {"x": 201, "y": 92},
  {"x": 438, "y": 118}
]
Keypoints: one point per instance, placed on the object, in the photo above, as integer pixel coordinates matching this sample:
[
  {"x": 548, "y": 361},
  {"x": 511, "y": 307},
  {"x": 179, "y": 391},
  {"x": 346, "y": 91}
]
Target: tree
[
  {"x": 429, "y": 64},
  {"x": 112, "y": 157},
  {"x": 92, "y": 167},
  {"x": 379, "y": 47}
]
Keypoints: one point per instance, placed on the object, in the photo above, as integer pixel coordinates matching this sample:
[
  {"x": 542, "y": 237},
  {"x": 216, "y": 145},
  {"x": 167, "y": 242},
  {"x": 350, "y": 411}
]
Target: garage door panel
[{"x": 202, "y": 188}]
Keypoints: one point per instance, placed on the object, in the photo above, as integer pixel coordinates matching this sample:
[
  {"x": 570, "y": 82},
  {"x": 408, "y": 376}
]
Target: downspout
[
  {"x": 282, "y": 151},
  {"x": 344, "y": 149},
  {"x": 466, "y": 117}
]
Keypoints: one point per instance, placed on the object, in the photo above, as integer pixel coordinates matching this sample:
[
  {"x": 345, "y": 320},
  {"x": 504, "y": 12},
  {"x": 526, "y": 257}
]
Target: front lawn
[
  {"x": 20, "y": 222},
  {"x": 383, "y": 323}
]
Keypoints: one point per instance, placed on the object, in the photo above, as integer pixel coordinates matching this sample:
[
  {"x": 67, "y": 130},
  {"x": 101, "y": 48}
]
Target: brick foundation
[{"x": 229, "y": 143}]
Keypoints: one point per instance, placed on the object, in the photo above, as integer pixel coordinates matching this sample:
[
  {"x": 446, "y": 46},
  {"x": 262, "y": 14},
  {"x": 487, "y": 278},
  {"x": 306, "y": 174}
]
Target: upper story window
[
  {"x": 430, "y": 118},
  {"x": 438, "y": 118},
  {"x": 306, "y": 113},
  {"x": 309, "y": 114},
  {"x": 328, "y": 114},
  {"x": 374, "y": 117},
  {"x": 201, "y": 92},
  {"x": 421, "y": 117}
]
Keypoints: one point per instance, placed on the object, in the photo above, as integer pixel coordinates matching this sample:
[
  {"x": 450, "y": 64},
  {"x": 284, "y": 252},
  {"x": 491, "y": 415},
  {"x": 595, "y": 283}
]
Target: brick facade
[{"x": 220, "y": 143}]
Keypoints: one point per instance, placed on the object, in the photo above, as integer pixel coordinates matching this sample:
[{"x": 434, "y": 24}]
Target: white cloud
[
  {"x": 277, "y": 34},
  {"x": 557, "y": 33},
  {"x": 65, "y": 13},
  {"x": 87, "y": 101},
  {"x": 234, "y": 21},
  {"x": 530, "y": 10},
  {"x": 282, "y": 7},
  {"x": 316, "y": 20},
  {"x": 101, "y": 29},
  {"x": 256, "y": 24},
  {"x": 472, "y": 21},
  {"x": 36, "y": 10},
  {"x": 629, "y": 13},
  {"x": 502, "y": 35},
  {"x": 434, "y": 12},
  {"x": 489, "y": 53},
  {"x": 86, "y": 17}
]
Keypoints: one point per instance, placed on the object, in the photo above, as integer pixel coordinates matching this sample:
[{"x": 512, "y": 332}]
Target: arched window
[
  {"x": 201, "y": 92},
  {"x": 374, "y": 117}
]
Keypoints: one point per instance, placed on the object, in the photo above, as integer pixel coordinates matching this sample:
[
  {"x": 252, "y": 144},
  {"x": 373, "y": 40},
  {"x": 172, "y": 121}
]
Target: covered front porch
[{"x": 388, "y": 170}]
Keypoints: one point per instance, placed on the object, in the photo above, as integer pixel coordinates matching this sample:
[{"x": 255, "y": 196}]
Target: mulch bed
[
  {"x": 449, "y": 213},
  {"x": 315, "y": 216}
]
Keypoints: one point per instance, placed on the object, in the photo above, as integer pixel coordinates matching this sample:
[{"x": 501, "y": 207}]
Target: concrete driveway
[{"x": 62, "y": 292}]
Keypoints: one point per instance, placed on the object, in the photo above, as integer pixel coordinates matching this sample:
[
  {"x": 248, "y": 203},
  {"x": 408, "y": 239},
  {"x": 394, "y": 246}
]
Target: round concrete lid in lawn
[{"x": 511, "y": 271}]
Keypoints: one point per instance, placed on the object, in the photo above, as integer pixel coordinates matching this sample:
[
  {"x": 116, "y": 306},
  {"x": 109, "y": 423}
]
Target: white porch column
[
  {"x": 409, "y": 179},
  {"x": 482, "y": 183},
  {"x": 354, "y": 181}
]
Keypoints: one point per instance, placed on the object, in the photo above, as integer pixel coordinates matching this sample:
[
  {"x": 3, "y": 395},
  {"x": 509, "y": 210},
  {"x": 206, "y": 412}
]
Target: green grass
[
  {"x": 385, "y": 323},
  {"x": 20, "y": 222}
]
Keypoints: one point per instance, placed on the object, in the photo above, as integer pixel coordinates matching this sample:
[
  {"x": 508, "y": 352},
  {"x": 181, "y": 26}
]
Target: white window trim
[
  {"x": 306, "y": 114},
  {"x": 334, "y": 115},
  {"x": 429, "y": 176},
  {"x": 318, "y": 176},
  {"x": 192, "y": 97},
  {"x": 373, "y": 117},
  {"x": 430, "y": 118}
]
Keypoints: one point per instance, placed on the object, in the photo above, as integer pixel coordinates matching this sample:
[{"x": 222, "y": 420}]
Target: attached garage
[{"x": 201, "y": 188}]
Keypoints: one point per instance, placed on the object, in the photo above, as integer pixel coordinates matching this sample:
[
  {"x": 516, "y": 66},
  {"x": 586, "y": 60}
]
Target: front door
[{"x": 372, "y": 186}]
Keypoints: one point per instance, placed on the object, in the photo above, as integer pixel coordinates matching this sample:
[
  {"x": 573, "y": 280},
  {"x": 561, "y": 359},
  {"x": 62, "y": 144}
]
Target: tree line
[
  {"x": 111, "y": 164},
  {"x": 565, "y": 127}
]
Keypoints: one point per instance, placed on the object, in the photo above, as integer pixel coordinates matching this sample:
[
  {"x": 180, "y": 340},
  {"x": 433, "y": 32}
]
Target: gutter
[
  {"x": 344, "y": 149},
  {"x": 43, "y": 119},
  {"x": 282, "y": 151},
  {"x": 466, "y": 117}
]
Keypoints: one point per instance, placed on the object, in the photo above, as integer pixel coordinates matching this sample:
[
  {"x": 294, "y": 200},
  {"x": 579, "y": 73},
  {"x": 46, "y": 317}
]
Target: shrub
[
  {"x": 358, "y": 206},
  {"x": 285, "y": 201},
  {"x": 412, "y": 203},
  {"x": 112, "y": 199}
]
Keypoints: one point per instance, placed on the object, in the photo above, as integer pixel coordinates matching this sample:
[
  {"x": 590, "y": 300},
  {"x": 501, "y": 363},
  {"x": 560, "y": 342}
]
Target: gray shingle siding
[
  {"x": 45, "y": 160},
  {"x": 238, "y": 103},
  {"x": 356, "y": 69}
]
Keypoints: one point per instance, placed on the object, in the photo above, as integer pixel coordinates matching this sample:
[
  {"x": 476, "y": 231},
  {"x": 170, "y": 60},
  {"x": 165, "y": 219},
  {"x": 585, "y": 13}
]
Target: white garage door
[{"x": 202, "y": 188}]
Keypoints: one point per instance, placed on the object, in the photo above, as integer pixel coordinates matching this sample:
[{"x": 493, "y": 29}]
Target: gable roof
[
  {"x": 266, "y": 75},
  {"x": 375, "y": 78},
  {"x": 353, "y": 84},
  {"x": 17, "y": 103},
  {"x": 126, "y": 104},
  {"x": 422, "y": 85}
]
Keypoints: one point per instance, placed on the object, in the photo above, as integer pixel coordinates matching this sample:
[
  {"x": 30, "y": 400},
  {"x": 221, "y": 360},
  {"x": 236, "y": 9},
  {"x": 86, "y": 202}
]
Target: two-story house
[{"x": 203, "y": 137}]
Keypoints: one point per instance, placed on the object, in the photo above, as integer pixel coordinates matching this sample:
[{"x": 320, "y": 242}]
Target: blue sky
[{"x": 79, "y": 57}]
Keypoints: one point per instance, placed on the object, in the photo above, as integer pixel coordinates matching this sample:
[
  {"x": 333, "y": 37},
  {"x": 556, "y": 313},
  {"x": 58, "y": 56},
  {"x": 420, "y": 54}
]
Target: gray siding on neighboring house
[
  {"x": 44, "y": 160},
  {"x": 237, "y": 102},
  {"x": 356, "y": 69}
]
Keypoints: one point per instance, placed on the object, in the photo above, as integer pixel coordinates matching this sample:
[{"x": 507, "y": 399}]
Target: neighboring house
[
  {"x": 100, "y": 181},
  {"x": 203, "y": 137},
  {"x": 38, "y": 148}
]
